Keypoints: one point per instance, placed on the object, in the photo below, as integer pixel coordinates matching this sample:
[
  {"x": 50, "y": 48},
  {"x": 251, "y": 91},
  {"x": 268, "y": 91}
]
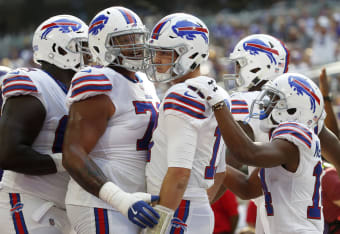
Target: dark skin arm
[
  {"x": 330, "y": 120},
  {"x": 330, "y": 147},
  {"x": 21, "y": 121},
  {"x": 215, "y": 188},
  {"x": 241, "y": 185},
  {"x": 87, "y": 123},
  {"x": 277, "y": 152},
  {"x": 232, "y": 161}
]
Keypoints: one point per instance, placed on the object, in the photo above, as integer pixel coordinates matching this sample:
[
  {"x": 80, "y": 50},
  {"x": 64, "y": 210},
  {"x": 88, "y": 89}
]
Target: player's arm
[
  {"x": 21, "y": 121},
  {"x": 330, "y": 147},
  {"x": 277, "y": 152},
  {"x": 215, "y": 191},
  {"x": 87, "y": 123},
  {"x": 241, "y": 185},
  {"x": 330, "y": 120},
  {"x": 182, "y": 139}
]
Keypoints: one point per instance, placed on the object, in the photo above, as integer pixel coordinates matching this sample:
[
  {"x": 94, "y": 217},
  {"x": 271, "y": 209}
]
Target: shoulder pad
[
  {"x": 89, "y": 82},
  {"x": 294, "y": 132},
  {"x": 186, "y": 103},
  {"x": 17, "y": 83}
]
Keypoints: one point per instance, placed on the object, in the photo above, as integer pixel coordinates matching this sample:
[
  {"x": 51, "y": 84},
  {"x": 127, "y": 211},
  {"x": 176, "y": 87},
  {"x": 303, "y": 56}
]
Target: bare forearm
[
  {"x": 23, "y": 159},
  {"x": 239, "y": 144},
  {"x": 172, "y": 191},
  {"x": 330, "y": 120},
  {"x": 240, "y": 184},
  {"x": 84, "y": 170}
]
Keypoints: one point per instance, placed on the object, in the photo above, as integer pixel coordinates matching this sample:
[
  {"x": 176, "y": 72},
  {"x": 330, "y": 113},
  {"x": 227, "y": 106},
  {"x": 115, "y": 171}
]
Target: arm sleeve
[{"x": 182, "y": 138}]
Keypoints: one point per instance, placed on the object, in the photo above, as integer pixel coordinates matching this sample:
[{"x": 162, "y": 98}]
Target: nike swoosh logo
[
  {"x": 188, "y": 95},
  {"x": 88, "y": 71},
  {"x": 133, "y": 211}
]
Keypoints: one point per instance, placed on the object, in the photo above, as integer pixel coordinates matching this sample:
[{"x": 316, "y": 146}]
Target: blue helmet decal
[
  {"x": 98, "y": 24},
  {"x": 189, "y": 30},
  {"x": 301, "y": 86},
  {"x": 256, "y": 46},
  {"x": 64, "y": 25}
]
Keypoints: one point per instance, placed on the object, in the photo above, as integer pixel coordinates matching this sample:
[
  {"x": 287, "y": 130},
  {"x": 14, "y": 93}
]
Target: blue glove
[{"x": 142, "y": 214}]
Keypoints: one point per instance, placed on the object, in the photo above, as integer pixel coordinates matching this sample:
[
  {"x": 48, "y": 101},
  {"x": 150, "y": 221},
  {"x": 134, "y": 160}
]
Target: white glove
[
  {"x": 212, "y": 92},
  {"x": 132, "y": 205}
]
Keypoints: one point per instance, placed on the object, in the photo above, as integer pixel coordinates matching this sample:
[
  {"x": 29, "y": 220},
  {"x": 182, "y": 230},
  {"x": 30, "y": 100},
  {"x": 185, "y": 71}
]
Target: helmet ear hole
[
  {"x": 291, "y": 111},
  {"x": 61, "y": 51},
  {"x": 96, "y": 49}
]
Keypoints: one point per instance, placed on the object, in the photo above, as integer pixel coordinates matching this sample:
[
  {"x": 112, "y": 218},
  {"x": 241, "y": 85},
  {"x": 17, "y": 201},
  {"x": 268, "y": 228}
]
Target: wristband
[{"x": 218, "y": 106}]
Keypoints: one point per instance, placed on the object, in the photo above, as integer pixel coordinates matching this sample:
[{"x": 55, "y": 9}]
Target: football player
[
  {"x": 291, "y": 107},
  {"x": 113, "y": 110},
  {"x": 32, "y": 125},
  {"x": 186, "y": 146}
]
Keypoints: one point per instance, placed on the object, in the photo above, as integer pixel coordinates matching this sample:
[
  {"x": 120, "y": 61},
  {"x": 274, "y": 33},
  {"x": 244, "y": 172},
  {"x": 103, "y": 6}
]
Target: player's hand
[
  {"x": 140, "y": 212},
  {"x": 143, "y": 215},
  {"x": 323, "y": 84},
  {"x": 212, "y": 92}
]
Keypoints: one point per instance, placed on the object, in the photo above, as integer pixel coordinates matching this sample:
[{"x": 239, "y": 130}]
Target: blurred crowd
[{"x": 310, "y": 29}]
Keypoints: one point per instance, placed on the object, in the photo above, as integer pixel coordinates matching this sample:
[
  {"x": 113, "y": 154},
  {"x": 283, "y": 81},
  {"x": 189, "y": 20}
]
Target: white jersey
[
  {"x": 121, "y": 151},
  {"x": 52, "y": 95},
  {"x": 182, "y": 102},
  {"x": 293, "y": 203}
]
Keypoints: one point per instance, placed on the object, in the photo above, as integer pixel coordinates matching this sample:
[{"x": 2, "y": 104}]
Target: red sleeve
[
  {"x": 251, "y": 214},
  {"x": 331, "y": 184}
]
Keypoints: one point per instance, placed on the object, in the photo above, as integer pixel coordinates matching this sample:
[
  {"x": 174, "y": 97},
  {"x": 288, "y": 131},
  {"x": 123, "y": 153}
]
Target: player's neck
[
  {"x": 193, "y": 74},
  {"x": 62, "y": 75}
]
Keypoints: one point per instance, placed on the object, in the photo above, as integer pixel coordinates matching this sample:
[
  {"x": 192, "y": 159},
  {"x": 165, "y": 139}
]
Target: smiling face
[{"x": 130, "y": 45}]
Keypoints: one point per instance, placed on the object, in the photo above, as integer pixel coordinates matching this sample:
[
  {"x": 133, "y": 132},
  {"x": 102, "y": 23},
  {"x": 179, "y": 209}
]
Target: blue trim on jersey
[
  {"x": 17, "y": 78},
  {"x": 238, "y": 102},
  {"x": 91, "y": 87},
  {"x": 293, "y": 133},
  {"x": 186, "y": 100},
  {"x": 100, "y": 77},
  {"x": 20, "y": 87},
  {"x": 239, "y": 111},
  {"x": 183, "y": 109},
  {"x": 305, "y": 130},
  {"x": 267, "y": 195}
]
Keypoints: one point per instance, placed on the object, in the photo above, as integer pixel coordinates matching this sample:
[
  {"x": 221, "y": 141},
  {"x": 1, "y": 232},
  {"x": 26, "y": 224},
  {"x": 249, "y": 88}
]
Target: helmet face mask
[
  {"x": 117, "y": 37},
  {"x": 61, "y": 41},
  {"x": 183, "y": 36},
  {"x": 260, "y": 57},
  {"x": 290, "y": 97}
]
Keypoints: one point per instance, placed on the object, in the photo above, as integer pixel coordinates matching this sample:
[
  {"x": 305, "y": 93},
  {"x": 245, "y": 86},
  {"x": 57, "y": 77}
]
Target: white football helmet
[
  {"x": 289, "y": 97},
  {"x": 117, "y": 36},
  {"x": 61, "y": 40},
  {"x": 258, "y": 57},
  {"x": 185, "y": 37}
]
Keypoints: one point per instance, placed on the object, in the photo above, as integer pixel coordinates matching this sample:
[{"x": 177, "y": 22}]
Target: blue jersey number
[
  {"x": 59, "y": 135},
  {"x": 142, "y": 107},
  {"x": 314, "y": 211},
  {"x": 267, "y": 194},
  {"x": 210, "y": 170}
]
